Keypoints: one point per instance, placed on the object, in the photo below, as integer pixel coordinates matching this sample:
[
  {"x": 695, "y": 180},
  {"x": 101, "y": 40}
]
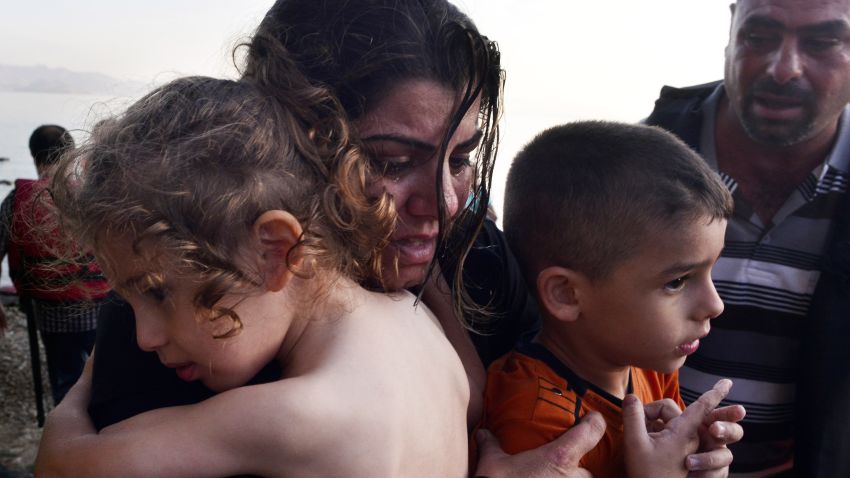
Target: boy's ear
[
  {"x": 278, "y": 232},
  {"x": 557, "y": 290}
]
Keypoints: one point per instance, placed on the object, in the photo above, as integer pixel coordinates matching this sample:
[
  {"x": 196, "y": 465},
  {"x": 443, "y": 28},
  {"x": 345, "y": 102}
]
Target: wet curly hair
[
  {"x": 192, "y": 165},
  {"x": 360, "y": 49}
]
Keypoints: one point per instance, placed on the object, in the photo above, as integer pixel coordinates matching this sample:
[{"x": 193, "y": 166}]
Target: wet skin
[{"x": 402, "y": 134}]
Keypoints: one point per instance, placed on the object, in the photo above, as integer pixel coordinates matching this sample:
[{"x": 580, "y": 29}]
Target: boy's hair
[
  {"x": 48, "y": 142},
  {"x": 191, "y": 166},
  {"x": 586, "y": 194}
]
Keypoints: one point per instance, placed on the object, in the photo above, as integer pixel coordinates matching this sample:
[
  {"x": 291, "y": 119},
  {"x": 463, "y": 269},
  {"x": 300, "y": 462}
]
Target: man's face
[{"x": 788, "y": 67}]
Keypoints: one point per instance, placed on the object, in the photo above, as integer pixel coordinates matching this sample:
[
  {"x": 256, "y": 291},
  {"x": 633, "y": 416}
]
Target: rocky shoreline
[{"x": 19, "y": 431}]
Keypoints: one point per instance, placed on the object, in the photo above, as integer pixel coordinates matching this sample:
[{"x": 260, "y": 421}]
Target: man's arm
[{"x": 558, "y": 459}]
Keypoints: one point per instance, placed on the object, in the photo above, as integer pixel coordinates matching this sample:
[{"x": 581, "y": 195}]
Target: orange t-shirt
[{"x": 532, "y": 398}]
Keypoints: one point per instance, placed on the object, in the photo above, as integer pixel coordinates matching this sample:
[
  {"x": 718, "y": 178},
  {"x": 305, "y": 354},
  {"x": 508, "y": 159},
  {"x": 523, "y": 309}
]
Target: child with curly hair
[{"x": 239, "y": 228}]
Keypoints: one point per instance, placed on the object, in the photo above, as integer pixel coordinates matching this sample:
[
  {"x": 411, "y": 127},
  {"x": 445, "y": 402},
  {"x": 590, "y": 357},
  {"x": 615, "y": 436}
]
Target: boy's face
[
  {"x": 654, "y": 307},
  {"x": 168, "y": 323}
]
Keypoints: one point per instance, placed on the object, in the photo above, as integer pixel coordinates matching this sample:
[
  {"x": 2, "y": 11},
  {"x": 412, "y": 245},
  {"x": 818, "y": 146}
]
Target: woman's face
[{"x": 402, "y": 134}]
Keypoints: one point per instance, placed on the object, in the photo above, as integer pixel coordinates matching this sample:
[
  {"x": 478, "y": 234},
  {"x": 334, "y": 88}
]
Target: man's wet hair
[{"x": 48, "y": 142}]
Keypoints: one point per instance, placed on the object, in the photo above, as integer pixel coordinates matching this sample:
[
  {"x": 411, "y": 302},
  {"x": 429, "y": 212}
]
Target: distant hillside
[{"x": 42, "y": 79}]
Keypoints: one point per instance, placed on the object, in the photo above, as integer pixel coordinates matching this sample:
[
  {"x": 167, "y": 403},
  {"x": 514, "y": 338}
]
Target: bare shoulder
[
  {"x": 300, "y": 426},
  {"x": 404, "y": 329},
  {"x": 404, "y": 307},
  {"x": 378, "y": 392},
  {"x": 272, "y": 423},
  {"x": 390, "y": 392},
  {"x": 361, "y": 426}
]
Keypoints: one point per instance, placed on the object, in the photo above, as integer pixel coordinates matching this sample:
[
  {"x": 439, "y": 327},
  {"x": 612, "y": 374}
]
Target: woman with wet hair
[{"x": 420, "y": 89}]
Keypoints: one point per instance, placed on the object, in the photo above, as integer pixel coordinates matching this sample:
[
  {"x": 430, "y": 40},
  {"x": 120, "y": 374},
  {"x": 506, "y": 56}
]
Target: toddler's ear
[
  {"x": 556, "y": 290},
  {"x": 278, "y": 233}
]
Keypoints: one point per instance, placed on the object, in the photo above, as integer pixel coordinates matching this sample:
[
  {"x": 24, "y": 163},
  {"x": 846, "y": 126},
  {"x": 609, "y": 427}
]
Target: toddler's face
[
  {"x": 654, "y": 308},
  {"x": 168, "y": 323}
]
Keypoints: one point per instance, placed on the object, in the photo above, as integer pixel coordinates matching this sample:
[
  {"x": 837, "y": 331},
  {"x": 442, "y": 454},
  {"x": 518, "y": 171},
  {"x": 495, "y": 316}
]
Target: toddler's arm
[{"x": 218, "y": 437}]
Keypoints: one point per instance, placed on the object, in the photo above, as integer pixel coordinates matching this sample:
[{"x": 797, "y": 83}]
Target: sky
[{"x": 564, "y": 59}]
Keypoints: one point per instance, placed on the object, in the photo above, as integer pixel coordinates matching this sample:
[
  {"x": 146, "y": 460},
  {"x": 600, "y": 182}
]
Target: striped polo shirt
[{"x": 766, "y": 276}]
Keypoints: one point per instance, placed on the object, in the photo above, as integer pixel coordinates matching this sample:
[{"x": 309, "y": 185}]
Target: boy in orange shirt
[{"x": 617, "y": 228}]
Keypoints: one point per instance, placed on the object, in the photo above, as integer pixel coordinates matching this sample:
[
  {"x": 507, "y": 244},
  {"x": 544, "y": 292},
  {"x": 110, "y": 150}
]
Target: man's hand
[
  {"x": 559, "y": 458},
  {"x": 656, "y": 444}
]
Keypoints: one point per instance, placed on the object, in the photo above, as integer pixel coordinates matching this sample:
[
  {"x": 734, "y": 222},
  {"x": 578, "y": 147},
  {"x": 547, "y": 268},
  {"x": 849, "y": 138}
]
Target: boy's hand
[
  {"x": 559, "y": 458},
  {"x": 719, "y": 429},
  {"x": 662, "y": 453},
  {"x": 659, "y": 412}
]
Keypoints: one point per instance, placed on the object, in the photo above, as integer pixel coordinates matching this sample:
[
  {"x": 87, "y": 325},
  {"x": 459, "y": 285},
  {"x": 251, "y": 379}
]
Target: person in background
[
  {"x": 64, "y": 299},
  {"x": 777, "y": 129}
]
